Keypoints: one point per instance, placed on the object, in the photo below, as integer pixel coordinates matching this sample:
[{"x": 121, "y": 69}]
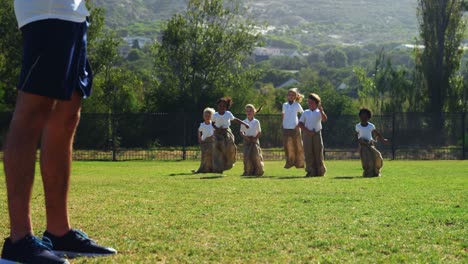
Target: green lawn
[{"x": 159, "y": 212}]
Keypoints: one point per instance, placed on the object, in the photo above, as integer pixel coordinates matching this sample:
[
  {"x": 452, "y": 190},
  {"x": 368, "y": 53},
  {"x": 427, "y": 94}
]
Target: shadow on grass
[
  {"x": 211, "y": 177},
  {"x": 256, "y": 177},
  {"x": 348, "y": 177},
  {"x": 182, "y": 174},
  {"x": 288, "y": 177}
]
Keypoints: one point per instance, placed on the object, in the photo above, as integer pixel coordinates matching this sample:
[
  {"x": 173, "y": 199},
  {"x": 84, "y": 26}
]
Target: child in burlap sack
[{"x": 371, "y": 158}]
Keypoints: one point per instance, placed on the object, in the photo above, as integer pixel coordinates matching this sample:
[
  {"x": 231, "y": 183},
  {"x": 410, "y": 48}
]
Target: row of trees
[{"x": 205, "y": 53}]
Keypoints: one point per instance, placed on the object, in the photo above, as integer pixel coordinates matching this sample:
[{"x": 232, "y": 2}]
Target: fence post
[
  {"x": 464, "y": 136},
  {"x": 393, "y": 136},
  {"x": 114, "y": 147},
  {"x": 184, "y": 146}
]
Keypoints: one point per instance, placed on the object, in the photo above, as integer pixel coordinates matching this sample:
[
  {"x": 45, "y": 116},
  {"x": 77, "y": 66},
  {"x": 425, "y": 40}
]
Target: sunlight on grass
[{"x": 159, "y": 211}]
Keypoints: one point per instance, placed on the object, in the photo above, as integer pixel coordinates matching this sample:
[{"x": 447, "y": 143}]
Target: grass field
[{"x": 159, "y": 212}]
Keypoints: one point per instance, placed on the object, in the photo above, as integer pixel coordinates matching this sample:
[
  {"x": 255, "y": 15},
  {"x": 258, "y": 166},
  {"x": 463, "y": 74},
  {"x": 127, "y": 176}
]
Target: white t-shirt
[
  {"x": 365, "y": 132},
  {"x": 290, "y": 111},
  {"x": 223, "y": 121},
  {"x": 312, "y": 120},
  {"x": 206, "y": 130},
  {"x": 254, "y": 128},
  {"x": 28, "y": 11}
]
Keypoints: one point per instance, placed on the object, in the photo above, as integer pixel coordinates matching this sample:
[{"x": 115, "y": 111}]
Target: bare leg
[
  {"x": 56, "y": 158},
  {"x": 30, "y": 115}
]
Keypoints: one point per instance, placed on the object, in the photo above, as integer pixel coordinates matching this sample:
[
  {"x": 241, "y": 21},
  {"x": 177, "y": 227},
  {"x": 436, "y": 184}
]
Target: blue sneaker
[
  {"x": 76, "y": 243},
  {"x": 29, "y": 250}
]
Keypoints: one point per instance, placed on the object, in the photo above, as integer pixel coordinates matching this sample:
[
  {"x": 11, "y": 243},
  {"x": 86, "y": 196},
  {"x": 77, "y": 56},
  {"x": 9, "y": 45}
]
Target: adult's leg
[
  {"x": 56, "y": 158},
  {"x": 31, "y": 114}
]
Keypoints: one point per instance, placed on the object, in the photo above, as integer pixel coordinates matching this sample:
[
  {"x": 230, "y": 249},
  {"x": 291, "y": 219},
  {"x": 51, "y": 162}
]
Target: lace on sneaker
[
  {"x": 37, "y": 244},
  {"x": 82, "y": 236},
  {"x": 46, "y": 242}
]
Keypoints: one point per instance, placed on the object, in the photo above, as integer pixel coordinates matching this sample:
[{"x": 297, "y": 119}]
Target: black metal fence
[{"x": 173, "y": 136}]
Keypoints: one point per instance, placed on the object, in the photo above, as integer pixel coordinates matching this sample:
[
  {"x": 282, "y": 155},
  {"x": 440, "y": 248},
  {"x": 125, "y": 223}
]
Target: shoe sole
[
  {"x": 67, "y": 254},
  {"x": 5, "y": 261}
]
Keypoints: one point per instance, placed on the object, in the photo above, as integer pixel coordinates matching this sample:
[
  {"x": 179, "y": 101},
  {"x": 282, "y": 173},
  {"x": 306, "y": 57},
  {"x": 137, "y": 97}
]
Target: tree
[
  {"x": 201, "y": 57},
  {"x": 136, "y": 44},
  {"x": 10, "y": 55},
  {"x": 387, "y": 89},
  {"x": 442, "y": 28},
  {"x": 336, "y": 58},
  {"x": 115, "y": 88},
  {"x": 134, "y": 55}
]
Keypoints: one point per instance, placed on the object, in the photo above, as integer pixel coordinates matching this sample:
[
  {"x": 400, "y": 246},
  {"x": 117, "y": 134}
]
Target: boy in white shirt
[
  {"x": 55, "y": 76},
  {"x": 253, "y": 158},
  {"x": 205, "y": 138},
  {"x": 292, "y": 142},
  {"x": 371, "y": 158},
  {"x": 311, "y": 125}
]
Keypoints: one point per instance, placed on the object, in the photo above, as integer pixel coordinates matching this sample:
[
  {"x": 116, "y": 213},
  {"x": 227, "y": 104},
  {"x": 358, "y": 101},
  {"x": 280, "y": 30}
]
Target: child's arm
[
  {"x": 380, "y": 137},
  {"x": 243, "y": 134},
  {"x": 255, "y": 139},
  {"x": 238, "y": 121},
  {"x": 360, "y": 141},
  {"x": 305, "y": 129},
  {"x": 324, "y": 116},
  {"x": 199, "y": 137}
]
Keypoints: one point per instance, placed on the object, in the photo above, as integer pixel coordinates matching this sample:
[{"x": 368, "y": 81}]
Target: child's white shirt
[
  {"x": 312, "y": 120},
  {"x": 290, "y": 111},
  {"x": 365, "y": 132},
  {"x": 207, "y": 130},
  {"x": 223, "y": 121},
  {"x": 254, "y": 128},
  {"x": 28, "y": 11}
]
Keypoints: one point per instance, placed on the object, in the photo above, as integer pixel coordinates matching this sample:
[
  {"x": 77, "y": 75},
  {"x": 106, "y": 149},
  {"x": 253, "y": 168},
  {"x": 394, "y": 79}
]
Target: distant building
[
  {"x": 296, "y": 54},
  {"x": 288, "y": 83},
  {"x": 265, "y": 53},
  {"x": 408, "y": 47},
  {"x": 342, "y": 86},
  {"x": 142, "y": 41}
]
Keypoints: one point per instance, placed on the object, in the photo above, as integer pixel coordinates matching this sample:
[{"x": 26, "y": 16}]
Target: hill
[{"x": 310, "y": 21}]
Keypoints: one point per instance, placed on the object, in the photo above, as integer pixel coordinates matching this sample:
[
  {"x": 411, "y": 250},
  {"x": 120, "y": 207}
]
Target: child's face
[
  {"x": 364, "y": 117},
  {"x": 291, "y": 96},
  {"x": 249, "y": 112},
  {"x": 312, "y": 104},
  {"x": 207, "y": 116},
  {"x": 222, "y": 107}
]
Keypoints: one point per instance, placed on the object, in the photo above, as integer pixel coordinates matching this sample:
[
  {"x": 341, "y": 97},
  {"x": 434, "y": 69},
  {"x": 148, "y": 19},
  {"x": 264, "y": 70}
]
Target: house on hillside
[
  {"x": 141, "y": 41},
  {"x": 408, "y": 47},
  {"x": 289, "y": 83},
  {"x": 265, "y": 53},
  {"x": 296, "y": 54},
  {"x": 342, "y": 86},
  {"x": 130, "y": 42}
]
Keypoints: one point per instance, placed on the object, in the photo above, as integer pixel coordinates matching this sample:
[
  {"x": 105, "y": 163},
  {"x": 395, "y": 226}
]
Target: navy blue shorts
[{"x": 55, "y": 62}]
